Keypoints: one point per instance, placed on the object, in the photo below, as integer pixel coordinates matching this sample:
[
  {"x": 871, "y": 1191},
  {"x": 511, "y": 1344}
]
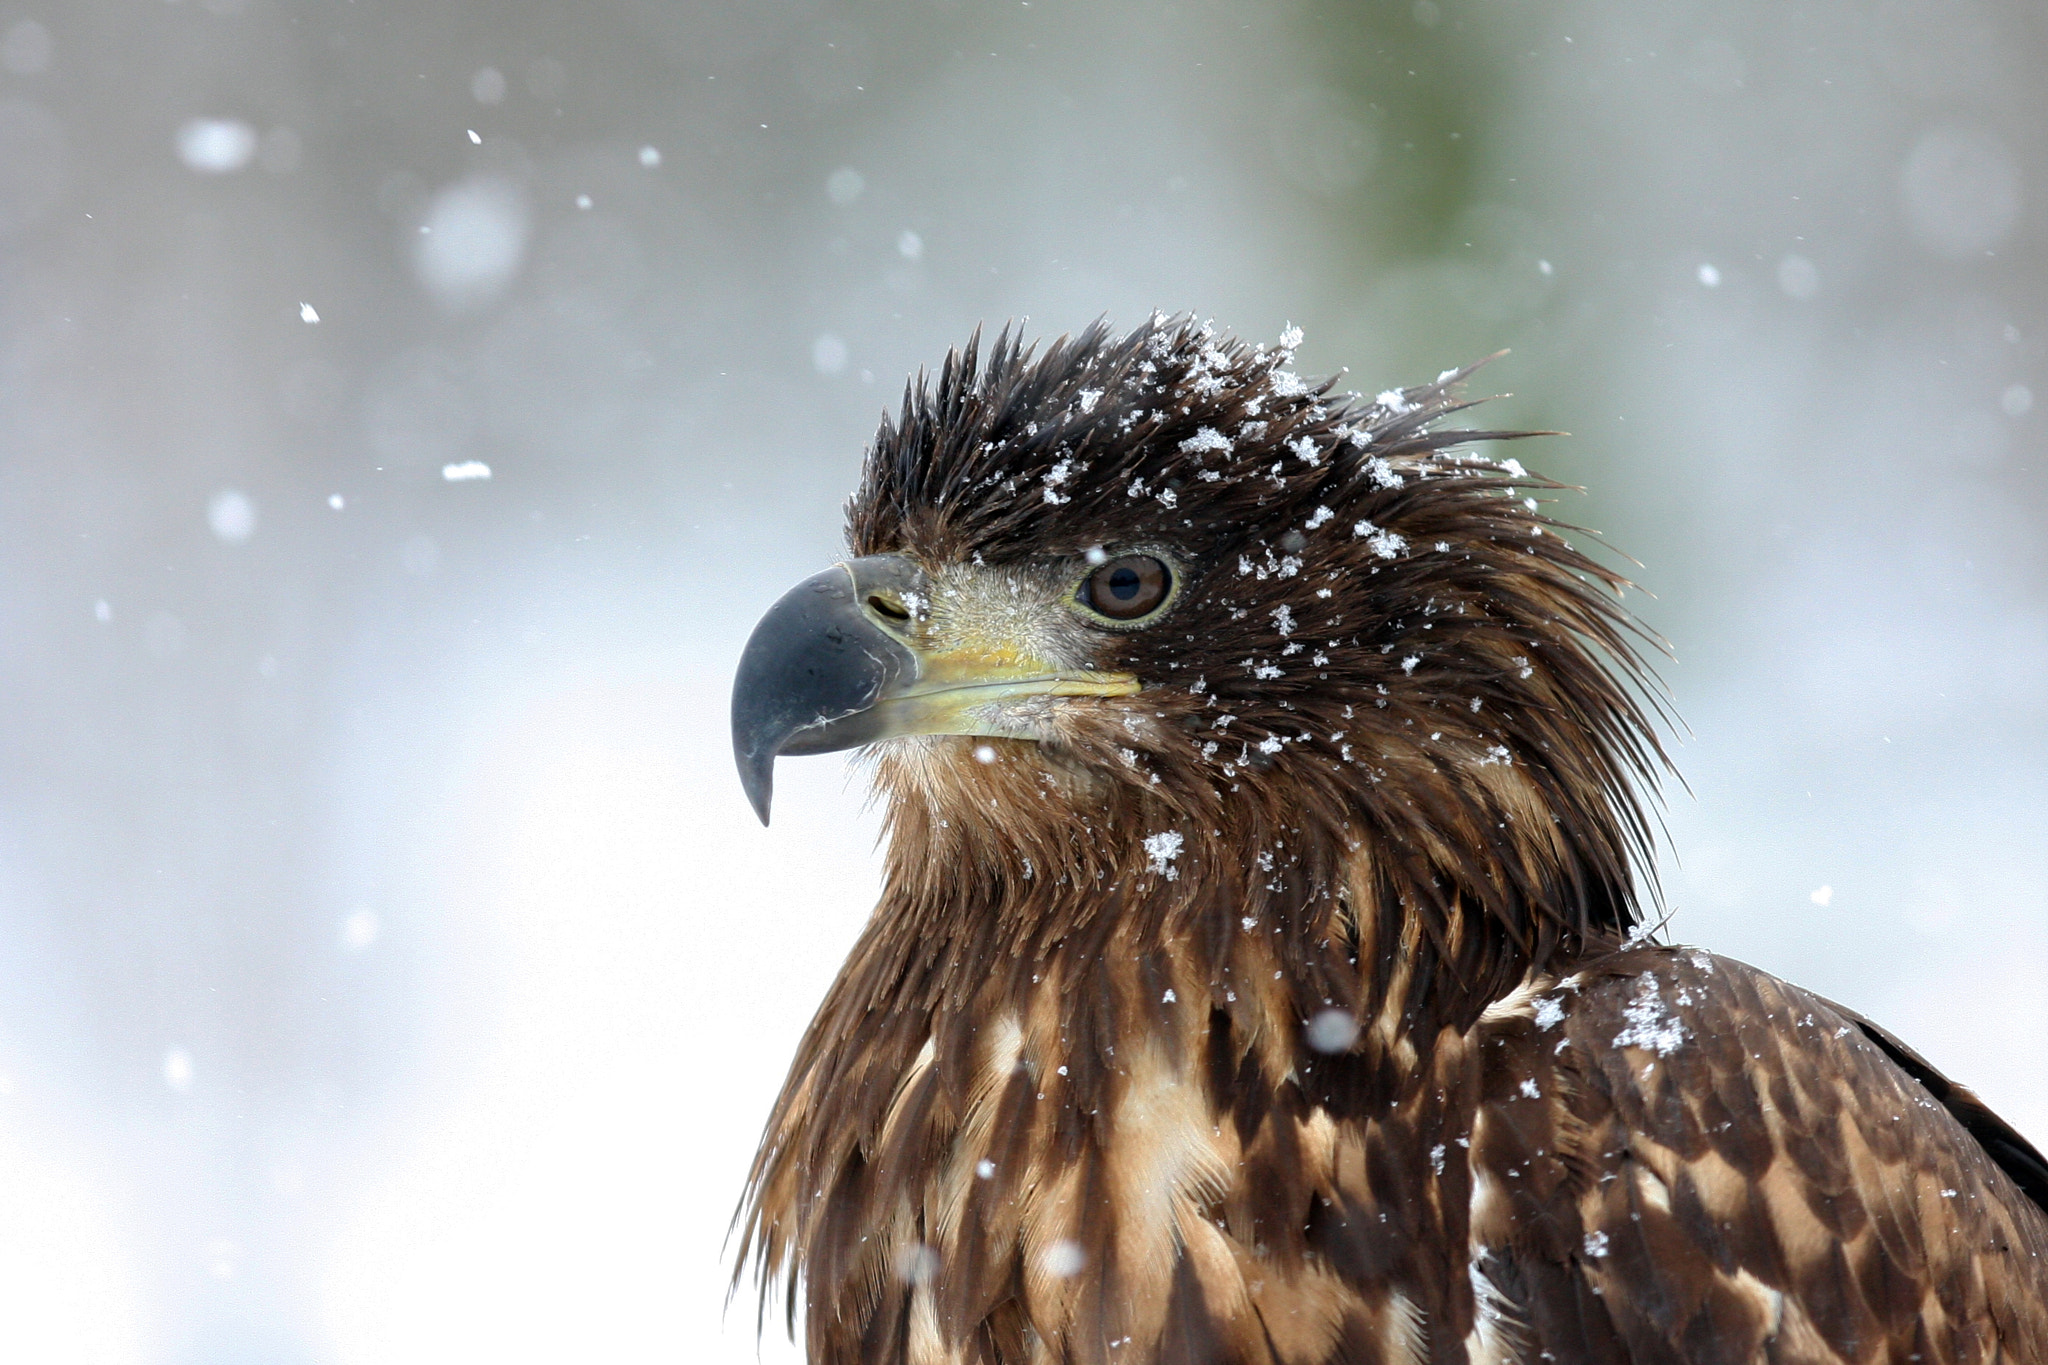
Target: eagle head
[{"x": 1152, "y": 622}]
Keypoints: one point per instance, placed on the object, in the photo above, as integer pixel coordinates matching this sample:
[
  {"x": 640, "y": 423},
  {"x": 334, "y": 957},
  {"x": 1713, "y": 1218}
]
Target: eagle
[{"x": 1264, "y": 971}]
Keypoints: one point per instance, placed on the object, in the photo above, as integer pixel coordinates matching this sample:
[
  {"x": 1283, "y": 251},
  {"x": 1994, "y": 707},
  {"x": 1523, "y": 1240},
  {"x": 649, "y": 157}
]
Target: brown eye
[{"x": 1128, "y": 587}]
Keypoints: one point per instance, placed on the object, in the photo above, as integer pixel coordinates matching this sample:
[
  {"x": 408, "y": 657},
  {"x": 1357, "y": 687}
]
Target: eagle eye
[{"x": 1127, "y": 588}]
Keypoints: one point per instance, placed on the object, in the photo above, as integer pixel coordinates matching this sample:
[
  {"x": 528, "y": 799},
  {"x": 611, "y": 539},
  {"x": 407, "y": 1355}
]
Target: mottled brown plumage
[{"x": 1292, "y": 1009}]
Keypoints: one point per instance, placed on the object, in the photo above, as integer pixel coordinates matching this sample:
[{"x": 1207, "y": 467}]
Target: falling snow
[{"x": 1332, "y": 1031}]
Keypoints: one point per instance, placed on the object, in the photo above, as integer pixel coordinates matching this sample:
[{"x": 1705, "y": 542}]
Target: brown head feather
[{"x": 1384, "y": 762}]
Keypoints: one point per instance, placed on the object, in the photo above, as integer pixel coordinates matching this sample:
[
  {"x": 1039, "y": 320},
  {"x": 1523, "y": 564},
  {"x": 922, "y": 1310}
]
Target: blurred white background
[{"x": 390, "y": 969}]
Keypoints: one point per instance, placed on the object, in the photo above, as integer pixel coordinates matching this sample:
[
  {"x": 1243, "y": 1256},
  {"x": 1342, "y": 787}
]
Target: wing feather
[{"x": 1772, "y": 1179}]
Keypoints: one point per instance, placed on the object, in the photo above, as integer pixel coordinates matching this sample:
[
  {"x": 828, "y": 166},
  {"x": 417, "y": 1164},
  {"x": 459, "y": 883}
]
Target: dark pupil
[{"x": 1123, "y": 584}]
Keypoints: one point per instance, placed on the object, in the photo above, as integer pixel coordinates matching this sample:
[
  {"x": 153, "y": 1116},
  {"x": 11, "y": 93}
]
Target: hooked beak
[{"x": 842, "y": 661}]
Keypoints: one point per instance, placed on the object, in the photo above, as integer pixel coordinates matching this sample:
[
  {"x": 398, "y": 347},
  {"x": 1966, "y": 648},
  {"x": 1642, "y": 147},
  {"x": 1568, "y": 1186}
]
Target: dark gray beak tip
[
  {"x": 811, "y": 671},
  {"x": 757, "y": 779}
]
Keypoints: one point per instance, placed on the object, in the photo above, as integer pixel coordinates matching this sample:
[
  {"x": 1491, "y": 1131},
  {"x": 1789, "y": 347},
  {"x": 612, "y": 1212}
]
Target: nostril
[{"x": 882, "y": 606}]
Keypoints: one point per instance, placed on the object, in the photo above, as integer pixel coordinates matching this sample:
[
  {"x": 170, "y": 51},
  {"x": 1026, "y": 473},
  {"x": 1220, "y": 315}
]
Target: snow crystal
[
  {"x": 1822, "y": 895},
  {"x": 1167, "y": 497},
  {"x": 1162, "y": 849},
  {"x": 1283, "y": 619},
  {"x": 1596, "y": 1244},
  {"x": 472, "y": 241},
  {"x": 2017, "y": 400},
  {"x": 361, "y": 929},
  {"x": 1305, "y": 450},
  {"x": 178, "y": 1069},
  {"x": 1332, "y": 1031},
  {"x": 1064, "y": 1259},
  {"x": 1056, "y": 476},
  {"x": 307, "y": 313},
  {"x": 1513, "y": 468},
  {"x": 650, "y": 157},
  {"x": 844, "y": 185},
  {"x": 1529, "y": 1090},
  {"x": 1408, "y": 664},
  {"x": 985, "y": 1168},
  {"x": 984, "y": 753},
  {"x": 465, "y": 471},
  {"x": 1649, "y": 1024},
  {"x": 1290, "y": 338},
  {"x": 916, "y": 1263},
  {"x": 102, "y": 611},
  {"x": 1318, "y": 518},
  {"x": 231, "y": 515},
  {"x": 1207, "y": 438},
  {"x": 216, "y": 146},
  {"x": 1436, "y": 1158},
  {"x": 1381, "y": 474},
  {"x": 1168, "y": 998},
  {"x": 1710, "y": 277},
  {"x": 476, "y": 139},
  {"x": 1395, "y": 402},
  {"x": 1271, "y": 744},
  {"x": 1287, "y": 384},
  {"x": 1086, "y": 399},
  {"x": 1384, "y": 544},
  {"x": 909, "y": 245},
  {"x": 1549, "y": 1012},
  {"x": 1267, "y": 671}
]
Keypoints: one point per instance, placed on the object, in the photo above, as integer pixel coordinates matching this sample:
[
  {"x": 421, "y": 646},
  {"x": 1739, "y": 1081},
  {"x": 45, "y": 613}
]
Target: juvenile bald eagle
[{"x": 1258, "y": 974}]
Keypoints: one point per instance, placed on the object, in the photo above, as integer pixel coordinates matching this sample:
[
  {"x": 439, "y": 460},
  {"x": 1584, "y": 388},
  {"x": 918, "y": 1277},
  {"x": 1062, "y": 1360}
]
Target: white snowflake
[
  {"x": 1383, "y": 543},
  {"x": 1650, "y": 1026},
  {"x": 1162, "y": 849}
]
